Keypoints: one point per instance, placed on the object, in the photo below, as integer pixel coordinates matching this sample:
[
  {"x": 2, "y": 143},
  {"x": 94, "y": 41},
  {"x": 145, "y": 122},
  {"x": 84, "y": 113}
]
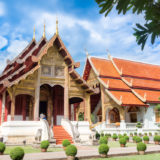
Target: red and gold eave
[{"x": 112, "y": 81}]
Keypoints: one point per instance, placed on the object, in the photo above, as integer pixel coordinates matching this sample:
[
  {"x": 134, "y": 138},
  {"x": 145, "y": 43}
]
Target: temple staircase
[{"x": 60, "y": 134}]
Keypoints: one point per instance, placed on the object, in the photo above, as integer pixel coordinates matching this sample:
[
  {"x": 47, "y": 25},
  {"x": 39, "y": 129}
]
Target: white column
[
  {"x": 3, "y": 106},
  {"x": 37, "y": 95}
]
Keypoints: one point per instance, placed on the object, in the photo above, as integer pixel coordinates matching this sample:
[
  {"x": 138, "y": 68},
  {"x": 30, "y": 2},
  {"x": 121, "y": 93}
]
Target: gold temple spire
[
  {"x": 34, "y": 36},
  {"x": 57, "y": 26},
  {"x": 44, "y": 30}
]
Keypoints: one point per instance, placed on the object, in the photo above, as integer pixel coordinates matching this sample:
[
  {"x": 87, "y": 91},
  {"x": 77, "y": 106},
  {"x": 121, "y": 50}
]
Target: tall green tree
[{"x": 149, "y": 8}]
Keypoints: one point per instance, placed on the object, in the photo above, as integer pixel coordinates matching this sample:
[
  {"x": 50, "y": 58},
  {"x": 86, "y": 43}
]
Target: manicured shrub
[
  {"x": 141, "y": 146},
  {"x": 71, "y": 150},
  {"x": 17, "y": 153},
  {"x": 140, "y": 134},
  {"x": 108, "y": 135},
  {"x": 155, "y": 133},
  {"x": 45, "y": 144},
  {"x": 102, "y": 134},
  {"x": 123, "y": 141},
  {"x": 127, "y": 138},
  {"x": 138, "y": 139},
  {"x": 134, "y": 138},
  {"x": 135, "y": 133},
  {"x": 97, "y": 135},
  {"x": 146, "y": 138},
  {"x": 150, "y": 134},
  {"x": 145, "y": 134},
  {"x": 157, "y": 138},
  {"x": 124, "y": 134},
  {"x": 131, "y": 134},
  {"x": 158, "y": 107},
  {"x": 139, "y": 125},
  {"x": 66, "y": 143},
  {"x": 114, "y": 136},
  {"x": 2, "y": 147},
  {"x": 103, "y": 149},
  {"x": 103, "y": 140},
  {"x": 120, "y": 136}
]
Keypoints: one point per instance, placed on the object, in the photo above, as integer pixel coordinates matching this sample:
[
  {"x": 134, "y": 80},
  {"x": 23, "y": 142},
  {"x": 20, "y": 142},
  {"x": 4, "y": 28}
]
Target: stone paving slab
[{"x": 88, "y": 152}]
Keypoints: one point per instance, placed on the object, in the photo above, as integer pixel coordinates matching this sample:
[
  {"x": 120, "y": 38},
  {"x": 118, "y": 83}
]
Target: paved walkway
[{"x": 85, "y": 152}]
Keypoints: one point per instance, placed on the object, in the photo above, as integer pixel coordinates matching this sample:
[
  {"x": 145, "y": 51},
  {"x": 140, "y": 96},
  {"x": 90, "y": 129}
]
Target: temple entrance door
[
  {"x": 58, "y": 104},
  {"x": 43, "y": 108}
]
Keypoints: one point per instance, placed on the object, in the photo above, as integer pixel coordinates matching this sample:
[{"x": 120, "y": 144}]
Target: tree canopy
[{"x": 149, "y": 8}]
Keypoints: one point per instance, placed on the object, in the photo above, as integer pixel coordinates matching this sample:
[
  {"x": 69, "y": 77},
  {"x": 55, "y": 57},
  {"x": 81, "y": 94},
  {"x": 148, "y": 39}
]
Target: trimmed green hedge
[
  {"x": 103, "y": 140},
  {"x": 141, "y": 146},
  {"x": 103, "y": 149},
  {"x": 2, "y": 147},
  {"x": 123, "y": 141},
  {"x": 71, "y": 150},
  {"x": 114, "y": 136},
  {"x": 66, "y": 143},
  {"x": 45, "y": 144},
  {"x": 17, "y": 153},
  {"x": 138, "y": 139},
  {"x": 157, "y": 138},
  {"x": 146, "y": 138}
]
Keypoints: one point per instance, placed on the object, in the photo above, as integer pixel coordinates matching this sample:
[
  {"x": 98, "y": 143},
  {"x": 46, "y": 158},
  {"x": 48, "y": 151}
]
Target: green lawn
[
  {"x": 137, "y": 157},
  {"x": 30, "y": 149}
]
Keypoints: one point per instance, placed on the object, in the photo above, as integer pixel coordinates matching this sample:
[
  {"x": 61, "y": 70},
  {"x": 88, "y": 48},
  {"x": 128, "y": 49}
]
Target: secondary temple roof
[{"x": 126, "y": 82}]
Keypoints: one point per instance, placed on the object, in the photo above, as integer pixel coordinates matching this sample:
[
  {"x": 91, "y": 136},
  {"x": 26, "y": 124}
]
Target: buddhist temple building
[
  {"x": 127, "y": 92},
  {"x": 113, "y": 95}
]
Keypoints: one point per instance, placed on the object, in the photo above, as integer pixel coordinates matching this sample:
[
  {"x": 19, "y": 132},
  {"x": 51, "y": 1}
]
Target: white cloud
[
  {"x": 3, "y": 42},
  {"x": 2, "y": 9},
  {"x": 16, "y": 47}
]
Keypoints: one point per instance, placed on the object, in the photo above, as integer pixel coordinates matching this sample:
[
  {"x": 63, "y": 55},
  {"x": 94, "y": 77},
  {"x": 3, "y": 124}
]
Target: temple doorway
[
  {"x": 58, "y": 104},
  {"x": 43, "y": 108}
]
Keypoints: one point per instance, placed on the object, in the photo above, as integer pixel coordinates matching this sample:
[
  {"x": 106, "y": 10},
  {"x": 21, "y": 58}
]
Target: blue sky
[{"x": 80, "y": 26}]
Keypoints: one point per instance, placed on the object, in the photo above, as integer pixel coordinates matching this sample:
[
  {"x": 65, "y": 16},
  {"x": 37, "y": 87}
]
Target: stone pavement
[{"x": 85, "y": 152}]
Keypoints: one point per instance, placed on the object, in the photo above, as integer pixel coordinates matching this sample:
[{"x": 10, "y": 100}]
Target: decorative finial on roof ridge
[
  {"x": 108, "y": 84},
  {"x": 34, "y": 35},
  {"x": 145, "y": 95},
  {"x": 120, "y": 99},
  {"x": 87, "y": 54},
  {"x": 57, "y": 26},
  {"x": 109, "y": 55},
  {"x": 131, "y": 82},
  {"x": 44, "y": 30}
]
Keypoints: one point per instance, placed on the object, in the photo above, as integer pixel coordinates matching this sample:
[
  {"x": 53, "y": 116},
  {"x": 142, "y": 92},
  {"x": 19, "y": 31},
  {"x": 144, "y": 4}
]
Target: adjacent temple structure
[{"x": 113, "y": 94}]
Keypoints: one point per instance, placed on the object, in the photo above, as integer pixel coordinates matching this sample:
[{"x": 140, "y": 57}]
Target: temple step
[{"x": 60, "y": 134}]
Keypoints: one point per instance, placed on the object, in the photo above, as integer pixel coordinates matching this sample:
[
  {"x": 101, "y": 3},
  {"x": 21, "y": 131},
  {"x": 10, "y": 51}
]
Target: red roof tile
[
  {"x": 105, "y": 67},
  {"x": 143, "y": 83},
  {"x": 151, "y": 96},
  {"x": 138, "y": 69},
  {"x": 115, "y": 84},
  {"x": 128, "y": 98}
]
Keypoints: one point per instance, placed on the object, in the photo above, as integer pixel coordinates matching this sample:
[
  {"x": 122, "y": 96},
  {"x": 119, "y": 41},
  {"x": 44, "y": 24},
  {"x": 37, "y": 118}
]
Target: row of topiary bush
[
  {"x": 70, "y": 150},
  {"x": 17, "y": 153},
  {"x": 130, "y": 135},
  {"x": 104, "y": 148}
]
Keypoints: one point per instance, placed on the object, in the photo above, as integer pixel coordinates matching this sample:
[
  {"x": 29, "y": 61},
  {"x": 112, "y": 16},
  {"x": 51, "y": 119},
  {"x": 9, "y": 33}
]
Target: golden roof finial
[
  {"x": 44, "y": 30},
  {"x": 34, "y": 36},
  {"x": 56, "y": 26}
]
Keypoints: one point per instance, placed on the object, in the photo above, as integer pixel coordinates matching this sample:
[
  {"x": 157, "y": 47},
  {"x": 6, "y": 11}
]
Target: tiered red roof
[
  {"x": 112, "y": 81},
  {"x": 128, "y": 82},
  {"x": 143, "y": 78}
]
